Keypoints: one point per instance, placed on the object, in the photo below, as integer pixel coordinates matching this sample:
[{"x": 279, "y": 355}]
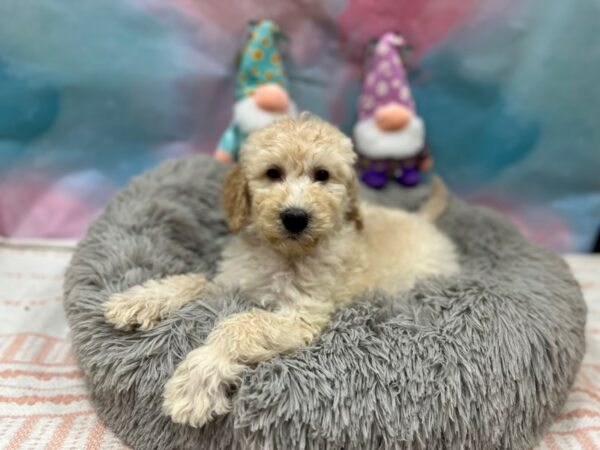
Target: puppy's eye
[
  {"x": 274, "y": 173},
  {"x": 321, "y": 175}
]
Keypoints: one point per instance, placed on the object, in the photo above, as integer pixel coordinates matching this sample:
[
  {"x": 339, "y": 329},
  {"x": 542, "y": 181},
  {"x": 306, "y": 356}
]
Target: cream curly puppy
[{"x": 304, "y": 247}]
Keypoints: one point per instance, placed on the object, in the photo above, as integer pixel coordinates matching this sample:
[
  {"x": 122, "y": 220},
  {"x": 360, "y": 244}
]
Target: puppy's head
[{"x": 294, "y": 185}]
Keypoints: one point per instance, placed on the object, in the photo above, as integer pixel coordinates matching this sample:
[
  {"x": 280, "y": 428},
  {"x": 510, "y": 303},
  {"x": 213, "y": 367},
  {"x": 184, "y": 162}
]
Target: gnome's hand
[
  {"x": 222, "y": 156},
  {"x": 426, "y": 164}
]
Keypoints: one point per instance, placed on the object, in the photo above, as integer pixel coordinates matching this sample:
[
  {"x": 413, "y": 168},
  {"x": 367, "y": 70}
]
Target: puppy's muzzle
[{"x": 294, "y": 220}]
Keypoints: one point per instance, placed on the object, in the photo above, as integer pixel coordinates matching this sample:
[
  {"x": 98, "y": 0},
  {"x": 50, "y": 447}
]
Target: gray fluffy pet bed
[{"x": 483, "y": 361}]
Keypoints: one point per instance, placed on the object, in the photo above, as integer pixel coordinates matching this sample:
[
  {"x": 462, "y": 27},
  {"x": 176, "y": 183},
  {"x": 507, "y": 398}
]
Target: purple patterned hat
[{"x": 386, "y": 81}]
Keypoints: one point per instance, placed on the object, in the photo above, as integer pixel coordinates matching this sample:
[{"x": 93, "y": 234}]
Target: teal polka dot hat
[{"x": 260, "y": 61}]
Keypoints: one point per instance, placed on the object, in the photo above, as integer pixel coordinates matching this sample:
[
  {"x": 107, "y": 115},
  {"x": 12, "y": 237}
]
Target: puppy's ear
[
  {"x": 235, "y": 199},
  {"x": 353, "y": 213}
]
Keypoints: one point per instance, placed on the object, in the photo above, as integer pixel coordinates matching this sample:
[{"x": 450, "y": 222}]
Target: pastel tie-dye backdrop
[{"x": 96, "y": 91}]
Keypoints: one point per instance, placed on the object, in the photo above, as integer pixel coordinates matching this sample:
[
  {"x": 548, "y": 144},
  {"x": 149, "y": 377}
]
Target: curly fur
[{"x": 301, "y": 280}]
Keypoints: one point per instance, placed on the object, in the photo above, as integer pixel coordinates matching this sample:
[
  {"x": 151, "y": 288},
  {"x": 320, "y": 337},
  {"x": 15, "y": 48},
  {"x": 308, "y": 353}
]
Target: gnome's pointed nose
[
  {"x": 392, "y": 117},
  {"x": 272, "y": 97}
]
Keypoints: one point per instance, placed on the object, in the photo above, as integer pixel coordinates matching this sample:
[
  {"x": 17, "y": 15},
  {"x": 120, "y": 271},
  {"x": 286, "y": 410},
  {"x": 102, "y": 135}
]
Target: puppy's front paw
[
  {"x": 197, "y": 391},
  {"x": 145, "y": 305},
  {"x": 135, "y": 308}
]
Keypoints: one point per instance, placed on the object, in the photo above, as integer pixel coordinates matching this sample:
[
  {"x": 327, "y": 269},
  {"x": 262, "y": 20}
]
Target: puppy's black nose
[{"x": 294, "y": 220}]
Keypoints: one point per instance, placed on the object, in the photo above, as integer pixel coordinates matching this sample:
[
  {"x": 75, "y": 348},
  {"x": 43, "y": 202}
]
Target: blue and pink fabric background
[{"x": 94, "y": 92}]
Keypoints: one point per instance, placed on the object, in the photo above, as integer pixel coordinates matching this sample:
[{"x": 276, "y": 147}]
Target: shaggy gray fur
[{"x": 483, "y": 361}]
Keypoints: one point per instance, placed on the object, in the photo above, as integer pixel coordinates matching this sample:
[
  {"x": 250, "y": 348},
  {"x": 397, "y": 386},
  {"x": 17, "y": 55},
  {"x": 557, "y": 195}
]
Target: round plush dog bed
[{"x": 482, "y": 361}]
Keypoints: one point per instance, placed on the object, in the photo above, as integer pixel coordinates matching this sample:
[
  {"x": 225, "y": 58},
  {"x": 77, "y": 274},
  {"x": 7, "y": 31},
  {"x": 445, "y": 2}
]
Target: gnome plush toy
[
  {"x": 260, "y": 90},
  {"x": 389, "y": 135}
]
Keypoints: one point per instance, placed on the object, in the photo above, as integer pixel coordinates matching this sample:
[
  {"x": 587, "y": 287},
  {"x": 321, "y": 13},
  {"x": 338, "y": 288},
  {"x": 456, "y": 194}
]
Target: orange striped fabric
[{"x": 43, "y": 400}]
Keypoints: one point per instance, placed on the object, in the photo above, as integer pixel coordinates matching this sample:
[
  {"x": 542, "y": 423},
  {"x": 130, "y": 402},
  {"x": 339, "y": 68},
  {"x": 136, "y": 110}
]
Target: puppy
[{"x": 304, "y": 247}]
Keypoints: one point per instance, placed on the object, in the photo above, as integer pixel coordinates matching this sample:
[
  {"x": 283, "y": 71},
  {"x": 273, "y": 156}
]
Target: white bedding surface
[{"x": 43, "y": 401}]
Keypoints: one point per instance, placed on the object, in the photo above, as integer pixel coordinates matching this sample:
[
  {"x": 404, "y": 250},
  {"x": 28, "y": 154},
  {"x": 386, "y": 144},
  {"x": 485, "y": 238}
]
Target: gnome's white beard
[
  {"x": 373, "y": 142},
  {"x": 248, "y": 116}
]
